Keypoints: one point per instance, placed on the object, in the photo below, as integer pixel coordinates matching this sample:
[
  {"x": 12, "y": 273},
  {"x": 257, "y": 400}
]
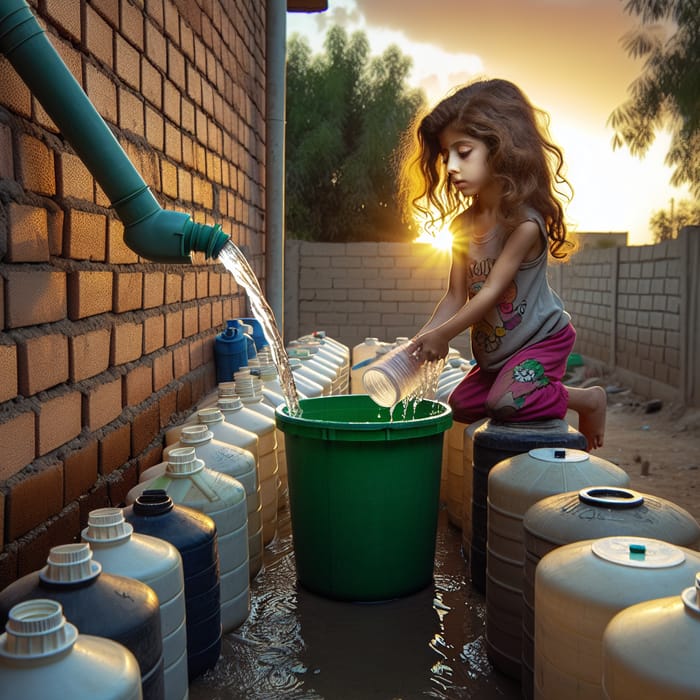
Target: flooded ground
[{"x": 296, "y": 645}]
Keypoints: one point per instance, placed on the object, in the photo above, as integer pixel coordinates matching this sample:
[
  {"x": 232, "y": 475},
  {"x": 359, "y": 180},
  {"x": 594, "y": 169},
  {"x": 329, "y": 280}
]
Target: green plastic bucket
[{"x": 363, "y": 494}]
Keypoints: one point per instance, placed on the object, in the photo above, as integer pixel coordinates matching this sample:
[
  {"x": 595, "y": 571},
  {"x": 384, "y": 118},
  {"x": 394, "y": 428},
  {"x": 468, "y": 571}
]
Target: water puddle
[{"x": 296, "y": 645}]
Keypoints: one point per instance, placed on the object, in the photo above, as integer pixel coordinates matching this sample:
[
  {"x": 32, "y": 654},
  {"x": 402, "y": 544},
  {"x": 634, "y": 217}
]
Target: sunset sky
[{"x": 567, "y": 56}]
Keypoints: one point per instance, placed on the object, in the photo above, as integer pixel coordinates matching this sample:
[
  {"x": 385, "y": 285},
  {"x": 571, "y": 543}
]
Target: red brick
[
  {"x": 102, "y": 92},
  {"x": 130, "y": 112},
  {"x": 88, "y": 354},
  {"x": 162, "y": 371},
  {"x": 18, "y": 443},
  {"x": 129, "y": 65},
  {"x": 32, "y": 498},
  {"x": 103, "y": 404},
  {"x": 145, "y": 428},
  {"x": 155, "y": 128},
  {"x": 168, "y": 176},
  {"x": 66, "y": 15},
  {"x": 2, "y": 521},
  {"x": 28, "y": 239},
  {"x": 119, "y": 483},
  {"x": 132, "y": 23},
  {"x": 74, "y": 179},
  {"x": 42, "y": 363},
  {"x": 85, "y": 236},
  {"x": 204, "y": 311},
  {"x": 168, "y": 407},
  {"x": 8, "y": 566},
  {"x": 184, "y": 397},
  {"x": 7, "y": 171},
  {"x": 79, "y": 471},
  {"x": 115, "y": 448},
  {"x": 217, "y": 314},
  {"x": 109, "y": 10},
  {"x": 36, "y": 166},
  {"x": 181, "y": 361},
  {"x": 59, "y": 421},
  {"x": 98, "y": 37},
  {"x": 173, "y": 288},
  {"x": 15, "y": 94},
  {"x": 34, "y": 297},
  {"x": 55, "y": 223},
  {"x": 156, "y": 47},
  {"x": 89, "y": 293},
  {"x": 189, "y": 286},
  {"x": 127, "y": 342},
  {"x": 153, "y": 333},
  {"x": 184, "y": 178},
  {"x": 173, "y": 327},
  {"x": 118, "y": 252},
  {"x": 8, "y": 372},
  {"x": 128, "y": 291},
  {"x": 196, "y": 354},
  {"x": 153, "y": 289},
  {"x": 138, "y": 385},
  {"x": 151, "y": 84},
  {"x": 190, "y": 321}
]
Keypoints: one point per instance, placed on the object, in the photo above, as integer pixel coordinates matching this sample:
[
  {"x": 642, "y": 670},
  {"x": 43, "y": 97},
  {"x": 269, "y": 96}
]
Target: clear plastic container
[{"x": 399, "y": 375}]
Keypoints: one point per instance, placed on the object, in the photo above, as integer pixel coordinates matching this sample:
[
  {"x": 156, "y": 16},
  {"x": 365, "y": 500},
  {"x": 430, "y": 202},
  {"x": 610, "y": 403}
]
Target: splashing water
[{"x": 234, "y": 261}]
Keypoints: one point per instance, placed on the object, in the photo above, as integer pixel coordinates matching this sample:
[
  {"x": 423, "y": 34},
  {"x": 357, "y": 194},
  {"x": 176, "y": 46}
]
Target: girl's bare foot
[{"x": 591, "y": 415}]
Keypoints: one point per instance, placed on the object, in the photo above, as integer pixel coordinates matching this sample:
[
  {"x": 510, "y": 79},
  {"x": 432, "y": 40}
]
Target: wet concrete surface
[{"x": 297, "y": 645}]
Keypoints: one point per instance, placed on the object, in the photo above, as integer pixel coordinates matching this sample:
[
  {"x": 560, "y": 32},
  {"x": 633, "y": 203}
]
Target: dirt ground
[{"x": 657, "y": 444}]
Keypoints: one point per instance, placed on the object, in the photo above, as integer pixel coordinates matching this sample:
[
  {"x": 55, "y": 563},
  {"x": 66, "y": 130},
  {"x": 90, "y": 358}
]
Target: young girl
[{"x": 483, "y": 159}]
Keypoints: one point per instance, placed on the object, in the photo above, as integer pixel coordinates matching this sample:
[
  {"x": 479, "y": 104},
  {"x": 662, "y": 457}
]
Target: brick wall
[
  {"x": 634, "y": 308},
  {"x": 101, "y": 350}
]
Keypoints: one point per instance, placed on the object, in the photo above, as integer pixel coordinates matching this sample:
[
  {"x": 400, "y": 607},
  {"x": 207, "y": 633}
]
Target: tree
[
  {"x": 345, "y": 115},
  {"x": 666, "y": 94},
  {"x": 665, "y": 224}
]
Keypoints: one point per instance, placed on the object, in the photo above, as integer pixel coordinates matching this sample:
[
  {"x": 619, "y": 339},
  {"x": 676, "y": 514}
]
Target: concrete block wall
[{"x": 99, "y": 350}]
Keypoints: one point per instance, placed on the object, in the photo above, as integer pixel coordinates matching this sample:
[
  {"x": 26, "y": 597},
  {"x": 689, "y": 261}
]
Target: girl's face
[{"x": 466, "y": 159}]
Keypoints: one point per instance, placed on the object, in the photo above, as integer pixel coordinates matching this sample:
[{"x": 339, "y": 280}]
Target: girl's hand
[{"x": 429, "y": 346}]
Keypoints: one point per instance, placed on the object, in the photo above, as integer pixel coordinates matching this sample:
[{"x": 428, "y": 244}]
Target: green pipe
[{"x": 150, "y": 231}]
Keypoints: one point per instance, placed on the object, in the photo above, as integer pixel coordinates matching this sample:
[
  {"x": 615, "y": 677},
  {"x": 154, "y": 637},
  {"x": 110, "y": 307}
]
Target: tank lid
[
  {"x": 230, "y": 403},
  {"x": 558, "y": 454},
  {"x": 638, "y": 552},
  {"x": 36, "y": 629},
  {"x": 195, "y": 434},
  {"x": 153, "y": 502},
  {"x": 70, "y": 563},
  {"x": 107, "y": 525},
  {"x": 691, "y": 596},
  {"x": 210, "y": 415},
  {"x": 183, "y": 462},
  {"x": 610, "y": 497}
]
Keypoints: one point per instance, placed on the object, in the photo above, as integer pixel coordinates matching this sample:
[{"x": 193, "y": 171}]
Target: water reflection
[{"x": 296, "y": 645}]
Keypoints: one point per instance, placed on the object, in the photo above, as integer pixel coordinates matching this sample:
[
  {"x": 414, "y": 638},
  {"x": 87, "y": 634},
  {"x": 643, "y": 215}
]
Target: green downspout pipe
[{"x": 149, "y": 230}]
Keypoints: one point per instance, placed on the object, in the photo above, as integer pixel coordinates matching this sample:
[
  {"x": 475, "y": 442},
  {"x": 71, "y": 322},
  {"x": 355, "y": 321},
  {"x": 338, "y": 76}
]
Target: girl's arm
[{"x": 432, "y": 342}]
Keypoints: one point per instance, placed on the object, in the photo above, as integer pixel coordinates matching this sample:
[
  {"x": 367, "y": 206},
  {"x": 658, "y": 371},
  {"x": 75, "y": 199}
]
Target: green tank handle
[{"x": 150, "y": 231}]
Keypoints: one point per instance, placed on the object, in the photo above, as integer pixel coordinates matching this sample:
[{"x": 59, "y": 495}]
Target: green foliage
[
  {"x": 346, "y": 112},
  {"x": 667, "y": 93},
  {"x": 665, "y": 224}
]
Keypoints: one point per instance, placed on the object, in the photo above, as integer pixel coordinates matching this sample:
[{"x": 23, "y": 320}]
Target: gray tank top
[{"x": 528, "y": 312}]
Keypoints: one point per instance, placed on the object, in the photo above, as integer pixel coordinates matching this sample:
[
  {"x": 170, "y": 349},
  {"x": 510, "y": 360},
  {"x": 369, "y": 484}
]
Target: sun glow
[{"x": 440, "y": 239}]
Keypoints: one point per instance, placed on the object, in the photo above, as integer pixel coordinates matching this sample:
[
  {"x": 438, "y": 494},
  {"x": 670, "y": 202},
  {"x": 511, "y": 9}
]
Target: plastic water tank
[
  {"x": 311, "y": 383},
  {"x": 252, "y": 404},
  {"x": 258, "y": 332},
  {"x": 228, "y": 459},
  {"x": 579, "y": 588},
  {"x": 493, "y": 442},
  {"x": 42, "y": 656},
  {"x": 331, "y": 356},
  {"x": 468, "y": 486},
  {"x": 119, "y": 608},
  {"x": 156, "y": 563},
  {"x": 341, "y": 350},
  {"x": 193, "y": 533},
  {"x": 188, "y": 482},
  {"x": 319, "y": 366},
  {"x": 361, "y": 353},
  {"x": 668, "y": 668},
  {"x": 514, "y": 485},
  {"x": 230, "y": 351},
  {"x": 591, "y": 513}
]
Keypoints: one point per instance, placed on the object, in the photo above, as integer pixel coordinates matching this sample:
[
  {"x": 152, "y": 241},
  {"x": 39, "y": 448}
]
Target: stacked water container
[
  {"x": 340, "y": 350},
  {"x": 333, "y": 354},
  {"x": 322, "y": 368},
  {"x": 42, "y": 656},
  {"x": 211, "y": 445},
  {"x": 362, "y": 355},
  {"x": 119, "y": 608},
  {"x": 188, "y": 482},
  {"x": 158, "y": 564},
  {"x": 194, "y": 535}
]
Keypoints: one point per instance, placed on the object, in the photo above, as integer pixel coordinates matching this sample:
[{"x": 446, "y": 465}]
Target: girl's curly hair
[{"x": 521, "y": 155}]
